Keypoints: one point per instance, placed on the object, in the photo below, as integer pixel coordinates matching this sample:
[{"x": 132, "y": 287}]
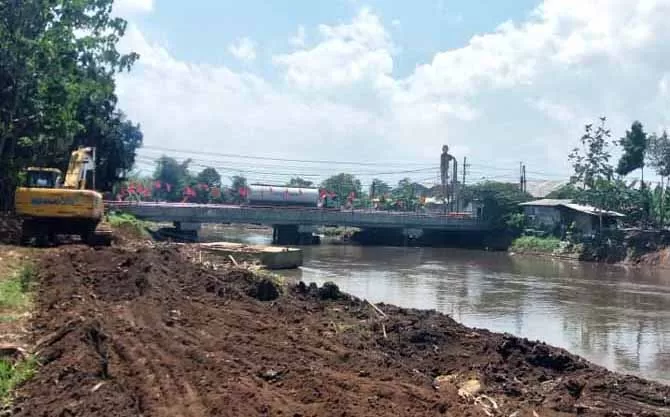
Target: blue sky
[
  {"x": 198, "y": 33},
  {"x": 389, "y": 82}
]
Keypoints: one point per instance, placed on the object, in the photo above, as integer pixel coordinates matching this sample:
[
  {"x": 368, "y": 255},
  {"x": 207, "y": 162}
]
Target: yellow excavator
[{"x": 50, "y": 206}]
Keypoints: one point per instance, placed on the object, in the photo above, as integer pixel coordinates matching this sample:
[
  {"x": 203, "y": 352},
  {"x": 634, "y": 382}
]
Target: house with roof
[{"x": 558, "y": 215}]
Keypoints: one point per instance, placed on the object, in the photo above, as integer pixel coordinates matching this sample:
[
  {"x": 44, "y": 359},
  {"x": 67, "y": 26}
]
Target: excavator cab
[{"x": 42, "y": 178}]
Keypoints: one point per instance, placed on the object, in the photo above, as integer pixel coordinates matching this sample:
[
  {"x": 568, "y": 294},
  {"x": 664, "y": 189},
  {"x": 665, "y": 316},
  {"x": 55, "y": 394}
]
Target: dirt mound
[
  {"x": 10, "y": 229},
  {"x": 148, "y": 332}
]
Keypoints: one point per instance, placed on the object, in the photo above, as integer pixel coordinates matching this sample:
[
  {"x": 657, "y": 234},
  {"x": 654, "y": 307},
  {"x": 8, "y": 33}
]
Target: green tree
[
  {"x": 565, "y": 192},
  {"x": 591, "y": 162},
  {"x": 116, "y": 140},
  {"x": 659, "y": 157},
  {"x": 238, "y": 183},
  {"x": 500, "y": 203},
  {"x": 300, "y": 183},
  {"x": 659, "y": 153},
  {"x": 210, "y": 177},
  {"x": 406, "y": 192},
  {"x": 342, "y": 185},
  {"x": 57, "y": 65},
  {"x": 176, "y": 174},
  {"x": 379, "y": 188},
  {"x": 634, "y": 146},
  {"x": 618, "y": 196}
]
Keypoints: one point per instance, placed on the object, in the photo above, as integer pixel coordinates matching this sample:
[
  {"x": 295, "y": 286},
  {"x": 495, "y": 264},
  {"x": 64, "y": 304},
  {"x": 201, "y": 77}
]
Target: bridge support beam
[
  {"x": 292, "y": 235},
  {"x": 189, "y": 229}
]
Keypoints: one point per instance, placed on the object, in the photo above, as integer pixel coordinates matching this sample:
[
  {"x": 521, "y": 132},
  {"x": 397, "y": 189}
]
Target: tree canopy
[
  {"x": 210, "y": 177},
  {"x": 379, "y": 188},
  {"x": 591, "y": 161},
  {"x": 300, "y": 183},
  {"x": 176, "y": 174},
  {"x": 342, "y": 185},
  {"x": 500, "y": 201},
  {"x": 57, "y": 66},
  {"x": 659, "y": 153},
  {"x": 634, "y": 146}
]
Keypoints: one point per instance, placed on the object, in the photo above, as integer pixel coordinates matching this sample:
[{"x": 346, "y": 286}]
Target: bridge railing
[
  {"x": 212, "y": 213},
  {"x": 125, "y": 204}
]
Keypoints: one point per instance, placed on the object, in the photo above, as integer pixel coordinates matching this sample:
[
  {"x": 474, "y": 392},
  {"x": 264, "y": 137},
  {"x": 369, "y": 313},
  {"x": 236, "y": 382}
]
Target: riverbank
[
  {"x": 147, "y": 330},
  {"x": 638, "y": 248}
]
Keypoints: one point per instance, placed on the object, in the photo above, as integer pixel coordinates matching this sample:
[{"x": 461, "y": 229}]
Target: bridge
[{"x": 287, "y": 222}]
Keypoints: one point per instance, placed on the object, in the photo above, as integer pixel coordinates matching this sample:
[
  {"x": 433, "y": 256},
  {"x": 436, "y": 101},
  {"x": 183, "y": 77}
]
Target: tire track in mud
[{"x": 181, "y": 340}]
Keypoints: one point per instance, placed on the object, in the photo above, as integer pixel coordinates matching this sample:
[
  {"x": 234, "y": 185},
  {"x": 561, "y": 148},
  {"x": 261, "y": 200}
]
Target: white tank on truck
[{"x": 269, "y": 195}]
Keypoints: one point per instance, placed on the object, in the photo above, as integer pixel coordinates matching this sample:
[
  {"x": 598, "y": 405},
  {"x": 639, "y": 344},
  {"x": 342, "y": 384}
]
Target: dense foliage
[
  {"x": 343, "y": 185},
  {"x": 634, "y": 146},
  {"x": 57, "y": 66},
  {"x": 500, "y": 202}
]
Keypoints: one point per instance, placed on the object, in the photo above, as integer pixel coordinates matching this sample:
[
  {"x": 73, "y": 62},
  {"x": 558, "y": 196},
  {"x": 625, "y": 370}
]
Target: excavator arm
[{"x": 81, "y": 163}]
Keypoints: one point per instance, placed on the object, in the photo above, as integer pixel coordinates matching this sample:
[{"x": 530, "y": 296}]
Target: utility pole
[
  {"x": 521, "y": 176},
  {"x": 465, "y": 167},
  {"x": 525, "y": 183}
]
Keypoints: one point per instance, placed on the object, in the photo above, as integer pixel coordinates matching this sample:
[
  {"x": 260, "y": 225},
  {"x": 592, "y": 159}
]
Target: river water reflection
[{"x": 615, "y": 316}]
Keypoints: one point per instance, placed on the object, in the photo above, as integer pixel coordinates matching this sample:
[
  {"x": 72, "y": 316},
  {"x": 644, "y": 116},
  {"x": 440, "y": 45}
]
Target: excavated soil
[{"x": 147, "y": 332}]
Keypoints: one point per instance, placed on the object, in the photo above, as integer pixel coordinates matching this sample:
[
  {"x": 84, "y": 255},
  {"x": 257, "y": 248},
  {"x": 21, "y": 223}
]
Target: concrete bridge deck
[{"x": 281, "y": 216}]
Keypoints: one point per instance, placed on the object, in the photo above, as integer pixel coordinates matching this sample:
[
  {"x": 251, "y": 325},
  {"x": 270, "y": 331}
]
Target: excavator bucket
[{"x": 102, "y": 235}]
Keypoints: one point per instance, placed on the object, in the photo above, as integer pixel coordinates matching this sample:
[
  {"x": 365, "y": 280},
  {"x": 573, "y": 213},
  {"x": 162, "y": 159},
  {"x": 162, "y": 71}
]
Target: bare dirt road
[{"x": 147, "y": 332}]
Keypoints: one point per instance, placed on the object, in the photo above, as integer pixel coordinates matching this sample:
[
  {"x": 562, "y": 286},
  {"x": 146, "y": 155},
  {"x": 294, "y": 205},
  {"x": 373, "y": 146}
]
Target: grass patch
[
  {"x": 128, "y": 223},
  {"x": 536, "y": 244},
  {"x": 14, "y": 374},
  {"x": 15, "y": 291},
  {"x": 337, "y": 232}
]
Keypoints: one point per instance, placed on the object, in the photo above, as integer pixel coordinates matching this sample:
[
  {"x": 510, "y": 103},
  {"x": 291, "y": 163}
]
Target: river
[{"x": 615, "y": 316}]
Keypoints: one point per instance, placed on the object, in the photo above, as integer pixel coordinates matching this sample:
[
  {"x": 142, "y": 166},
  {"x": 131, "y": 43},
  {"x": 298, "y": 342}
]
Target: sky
[{"x": 383, "y": 84}]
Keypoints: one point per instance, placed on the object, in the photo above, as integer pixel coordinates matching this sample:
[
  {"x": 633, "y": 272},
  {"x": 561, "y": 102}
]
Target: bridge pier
[
  {"x": 293, "y": 235},
  {"x": 189, "y": 229}
]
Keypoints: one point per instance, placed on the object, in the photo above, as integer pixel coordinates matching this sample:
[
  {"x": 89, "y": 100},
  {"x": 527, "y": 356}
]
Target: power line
[
  {"x": 267, "y": 158},
  {"x": 215, "y": 164}
]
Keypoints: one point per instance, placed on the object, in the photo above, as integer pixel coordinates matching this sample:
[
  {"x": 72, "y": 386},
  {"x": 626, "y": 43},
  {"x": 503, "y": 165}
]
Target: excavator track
[{"x": 45, "y": 232}]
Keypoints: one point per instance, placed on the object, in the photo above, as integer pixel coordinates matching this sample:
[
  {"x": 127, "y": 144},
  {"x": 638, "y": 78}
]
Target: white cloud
[
  {"x": 348, "y": 54},
  {"x": 130, "y": 7},
  {"x": 243, "y": 49},
  {"x": 299, "y": 39},
  {"x": 522, "y": 91}
]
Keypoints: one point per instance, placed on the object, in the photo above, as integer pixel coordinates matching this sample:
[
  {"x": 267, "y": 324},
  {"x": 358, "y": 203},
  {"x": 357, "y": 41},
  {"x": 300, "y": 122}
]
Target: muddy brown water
[{"x": 615, "y": 316}]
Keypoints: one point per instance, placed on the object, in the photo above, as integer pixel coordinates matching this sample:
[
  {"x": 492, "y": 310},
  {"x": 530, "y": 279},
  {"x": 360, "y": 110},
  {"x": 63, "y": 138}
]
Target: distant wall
[{"x": 543, "y": 216}]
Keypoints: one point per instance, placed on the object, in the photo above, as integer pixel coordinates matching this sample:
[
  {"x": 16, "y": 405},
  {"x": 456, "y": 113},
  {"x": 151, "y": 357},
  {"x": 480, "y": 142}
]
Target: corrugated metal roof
[
  {"x": 594, "y": 211},
  {"x": 547, "y": 202}
]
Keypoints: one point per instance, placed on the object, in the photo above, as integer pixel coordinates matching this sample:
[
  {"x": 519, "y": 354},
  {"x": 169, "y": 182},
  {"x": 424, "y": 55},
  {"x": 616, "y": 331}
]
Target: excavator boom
[{"x": 81, "y": 162}]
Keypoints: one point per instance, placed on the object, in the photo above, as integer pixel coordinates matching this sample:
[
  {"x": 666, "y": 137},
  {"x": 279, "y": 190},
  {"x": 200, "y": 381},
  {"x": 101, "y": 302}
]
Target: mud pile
[
  {"x": 146, "y": 332},
  {"x": 10, "y": 229}
]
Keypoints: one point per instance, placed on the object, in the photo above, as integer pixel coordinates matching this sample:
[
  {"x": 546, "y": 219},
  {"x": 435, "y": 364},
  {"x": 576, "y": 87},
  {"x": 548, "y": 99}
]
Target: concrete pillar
[
  {"x": 285, "y": 235},
  {"x": 188, "y": 229},
  {"x": 293, "y": 235}
]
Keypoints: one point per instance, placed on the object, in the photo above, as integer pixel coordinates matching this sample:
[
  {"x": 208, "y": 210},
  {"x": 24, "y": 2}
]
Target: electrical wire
[{"x": 267, "y": 158}]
